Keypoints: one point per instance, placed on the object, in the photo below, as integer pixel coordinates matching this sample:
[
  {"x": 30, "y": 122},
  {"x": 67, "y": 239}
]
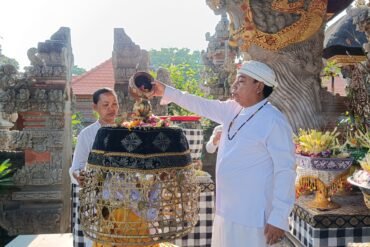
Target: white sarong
[{"x": 229, "y": 234}]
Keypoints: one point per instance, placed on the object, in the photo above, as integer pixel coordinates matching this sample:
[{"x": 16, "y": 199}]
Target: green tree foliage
[
  {"x": 77, "y": 126},
  {"x": 185, "y": 68},
  {"x": 331, "y": 69},
  {"x": 77, "y": 70},
  {"x": 185, "y": 78},
  {"x": 6, "y": 60},
  {"x": 174, "y": 56}
]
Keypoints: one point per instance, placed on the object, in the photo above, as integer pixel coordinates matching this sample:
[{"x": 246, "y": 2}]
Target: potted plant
[{"x": 5, "y": 172}]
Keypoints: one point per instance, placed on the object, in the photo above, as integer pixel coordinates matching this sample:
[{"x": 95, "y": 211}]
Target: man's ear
[
  {"x": 95, "y": 107},
  {"x": 260, "y": 86}
]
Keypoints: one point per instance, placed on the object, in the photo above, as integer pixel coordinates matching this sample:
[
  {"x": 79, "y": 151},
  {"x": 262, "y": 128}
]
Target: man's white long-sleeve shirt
[
  {"x": 255, "y": 171},
  {"x": 85, "y": 141}
]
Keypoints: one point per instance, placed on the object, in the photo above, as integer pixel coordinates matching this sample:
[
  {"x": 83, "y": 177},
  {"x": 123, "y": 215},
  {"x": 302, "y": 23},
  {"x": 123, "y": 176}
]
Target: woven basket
[
  {"x": 364, "y": 186},
  {"x": 366, "y": 199},
  {"x": 140, "y": 188}
]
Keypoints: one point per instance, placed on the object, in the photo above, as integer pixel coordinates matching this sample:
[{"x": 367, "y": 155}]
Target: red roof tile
[{"x": 98, "y": 77}]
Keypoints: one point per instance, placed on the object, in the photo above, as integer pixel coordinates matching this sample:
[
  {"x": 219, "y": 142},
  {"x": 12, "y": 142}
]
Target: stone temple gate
[
  {"x": 35, "y": 129},
  {"x": 40, "y": 104}
]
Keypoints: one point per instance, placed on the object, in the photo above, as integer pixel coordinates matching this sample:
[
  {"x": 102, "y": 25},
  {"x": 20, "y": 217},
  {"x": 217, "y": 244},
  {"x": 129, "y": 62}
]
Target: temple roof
[
  {"x": 98, "y": 77},
  {"x": 342, "y": 39},
  {"x": 336, "y": 6}
]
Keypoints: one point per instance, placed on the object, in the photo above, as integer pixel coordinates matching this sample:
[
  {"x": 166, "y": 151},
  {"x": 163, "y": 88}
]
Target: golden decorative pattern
[
  {"x": 309, "y": 23},
  {"x": 133, "y": 207},
  {"x": 324, "y": 192},
  {"x": 121, "y": 169},
  {"x": 342, "y": 60},
  {"x": 142, "y": 156}
]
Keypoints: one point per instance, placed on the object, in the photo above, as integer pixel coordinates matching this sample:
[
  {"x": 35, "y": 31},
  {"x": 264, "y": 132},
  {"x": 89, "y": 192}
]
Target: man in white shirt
[
  {"x": 214, "y": 140},
  {"x": 255, "y": 168},
  {"x": 105, "y": 103}
]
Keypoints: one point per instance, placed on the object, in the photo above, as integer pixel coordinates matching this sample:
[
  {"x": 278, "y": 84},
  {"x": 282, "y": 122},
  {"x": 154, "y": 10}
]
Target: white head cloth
[{"x": 259, "y": 71}]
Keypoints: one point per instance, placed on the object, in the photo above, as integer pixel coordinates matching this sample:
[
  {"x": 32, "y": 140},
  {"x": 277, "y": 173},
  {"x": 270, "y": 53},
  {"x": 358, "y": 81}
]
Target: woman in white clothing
[{"x": 105, "y": 103}]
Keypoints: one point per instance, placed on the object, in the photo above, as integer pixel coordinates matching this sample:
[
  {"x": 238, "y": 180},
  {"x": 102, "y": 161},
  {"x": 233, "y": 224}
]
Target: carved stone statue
[
  {"x": 359, "y": 80},
  {"x": 7, "y": 80},
  {"x": 219, "y": 59},
  {"x": 288, "y": 36}
]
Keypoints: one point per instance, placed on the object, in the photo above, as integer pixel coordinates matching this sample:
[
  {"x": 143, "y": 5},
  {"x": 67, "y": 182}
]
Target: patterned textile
[
  {"x": 201, "y": 236},
  {"x": 195, "y": 140},
  {"x": 78, "y": 237},
  {"x": 140, "y": 148},
  {"x": 327, "y": 237},
  {"x": 352, "y": 213},
  {"x": 335, "y": 228},
  {"x": 127, "y": 160},
  {"x": 140, "y": 140}
]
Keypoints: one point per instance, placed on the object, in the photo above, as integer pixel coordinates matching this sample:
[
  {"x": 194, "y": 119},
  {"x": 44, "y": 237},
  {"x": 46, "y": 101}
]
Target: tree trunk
[
  {"x": 289, "y": 37},
  {"x": 298, "y": 69}
]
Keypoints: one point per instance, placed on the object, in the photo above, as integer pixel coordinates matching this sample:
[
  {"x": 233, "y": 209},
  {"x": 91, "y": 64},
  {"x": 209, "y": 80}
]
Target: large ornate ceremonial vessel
[{"x": 140, "y": 187}]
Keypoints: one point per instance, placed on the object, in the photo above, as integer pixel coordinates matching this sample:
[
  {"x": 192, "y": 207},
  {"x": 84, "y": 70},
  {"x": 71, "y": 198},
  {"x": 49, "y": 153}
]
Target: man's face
[
  {"x": 107, "y": 107},
  {"x": 246, "y": 90}
]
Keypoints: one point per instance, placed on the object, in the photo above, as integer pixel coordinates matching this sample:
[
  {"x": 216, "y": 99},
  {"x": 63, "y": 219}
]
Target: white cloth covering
[
  {"x": 255, "y": 171},
  {"x": 227, "y": 233},
  {"x": 259, "y": 71}
]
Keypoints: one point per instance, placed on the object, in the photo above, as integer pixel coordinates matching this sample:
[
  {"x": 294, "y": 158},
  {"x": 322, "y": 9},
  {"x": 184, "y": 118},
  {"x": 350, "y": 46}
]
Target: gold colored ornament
[
  {"x": 135, "y": 207},
  {"x": 322, "y": 200},
  {"x": 309, "y": 23}
]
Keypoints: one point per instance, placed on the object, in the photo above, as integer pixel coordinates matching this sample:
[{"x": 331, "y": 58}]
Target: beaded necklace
[{"x": 241, "y": 126}]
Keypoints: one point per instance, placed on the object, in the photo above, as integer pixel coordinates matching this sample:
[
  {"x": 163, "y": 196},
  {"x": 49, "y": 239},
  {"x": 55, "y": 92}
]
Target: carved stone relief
[
  {"x": 37, "y": 195},
  {"x": 41, "y": 96},
  {"x": 51, "y": 58},
  {"x": 42, "y": 140},
  {"x": 31, "y": 220},
  {"x": 219, "y": 60},
  {"x": 13, "y": 140},
  {"x": 39, "y": 174}
]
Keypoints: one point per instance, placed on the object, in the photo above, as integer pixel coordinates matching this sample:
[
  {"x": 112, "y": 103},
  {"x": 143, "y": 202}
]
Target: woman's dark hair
[{"x": 97, "y": 93}]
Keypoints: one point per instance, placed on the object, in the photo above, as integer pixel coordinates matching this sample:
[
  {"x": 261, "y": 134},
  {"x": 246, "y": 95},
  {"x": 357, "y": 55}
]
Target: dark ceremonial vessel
[{"x": 140, "y": 187}]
